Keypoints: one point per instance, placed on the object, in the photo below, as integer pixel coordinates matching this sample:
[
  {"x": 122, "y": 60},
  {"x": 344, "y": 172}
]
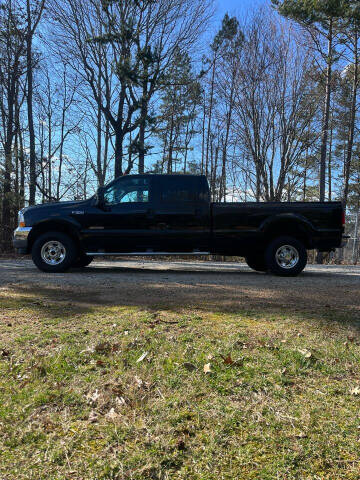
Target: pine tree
[
  {"x": 178, "y": 110},
  {"x": 322, "y": 18}
]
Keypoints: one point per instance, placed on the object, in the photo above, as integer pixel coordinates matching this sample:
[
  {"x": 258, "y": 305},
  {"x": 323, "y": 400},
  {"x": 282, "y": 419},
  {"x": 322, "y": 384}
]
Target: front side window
[{"x": 127, "y": 190}]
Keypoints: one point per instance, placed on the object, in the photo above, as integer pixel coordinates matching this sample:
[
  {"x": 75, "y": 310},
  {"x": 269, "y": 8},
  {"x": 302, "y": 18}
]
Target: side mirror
[{"x": 100, "y": 201}]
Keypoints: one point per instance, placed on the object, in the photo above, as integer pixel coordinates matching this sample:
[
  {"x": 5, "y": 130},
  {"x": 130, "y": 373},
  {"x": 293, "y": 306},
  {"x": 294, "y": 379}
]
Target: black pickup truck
[{"x": 173, "y": 215}]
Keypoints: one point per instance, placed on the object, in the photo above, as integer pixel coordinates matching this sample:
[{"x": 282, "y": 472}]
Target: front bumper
[{"x": 20, "y": 240}]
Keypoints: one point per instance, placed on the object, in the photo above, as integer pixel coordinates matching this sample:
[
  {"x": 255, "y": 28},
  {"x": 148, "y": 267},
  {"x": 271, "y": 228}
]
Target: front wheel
[
  {"x": 286, "y": 256},
  {"x": 54, "y": 252}
]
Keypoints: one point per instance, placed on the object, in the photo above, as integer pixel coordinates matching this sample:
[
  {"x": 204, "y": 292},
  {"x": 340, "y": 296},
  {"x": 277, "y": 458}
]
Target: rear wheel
[
  {"x": 82, "y": 261},
  {"x": 286, "y": 256},
  {"x": 256, "y": 262},
  {"x": 54, "y": 252}
]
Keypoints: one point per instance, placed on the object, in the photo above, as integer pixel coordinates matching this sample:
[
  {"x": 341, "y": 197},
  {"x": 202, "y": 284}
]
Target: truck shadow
[
  {"x": 183, "y": 285},
  {"x": 315, "y": 295},
  {"x": 234, "y": 270}
]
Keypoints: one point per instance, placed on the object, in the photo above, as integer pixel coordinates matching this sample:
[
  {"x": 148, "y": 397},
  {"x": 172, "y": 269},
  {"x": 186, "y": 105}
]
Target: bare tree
[
  {"x": 139, "y": 40},
  {"x": 34, "y": 10},
  {"x": 272, "y": 107},
  {"x": 12, "y": 67}
]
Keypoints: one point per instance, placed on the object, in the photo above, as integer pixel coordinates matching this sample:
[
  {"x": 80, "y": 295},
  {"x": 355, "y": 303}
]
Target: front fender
[{"x": 66, "y": 225}]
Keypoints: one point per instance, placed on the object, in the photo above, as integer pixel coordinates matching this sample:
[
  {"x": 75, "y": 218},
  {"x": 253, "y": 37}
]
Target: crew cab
[{"x": 172, "y": 215}]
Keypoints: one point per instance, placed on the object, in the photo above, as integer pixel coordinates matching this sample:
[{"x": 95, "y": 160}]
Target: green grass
[{"x": 75, "y": 402}]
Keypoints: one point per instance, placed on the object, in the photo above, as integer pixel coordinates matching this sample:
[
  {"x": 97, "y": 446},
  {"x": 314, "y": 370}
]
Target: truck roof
[{"x": 164, "y": 175}]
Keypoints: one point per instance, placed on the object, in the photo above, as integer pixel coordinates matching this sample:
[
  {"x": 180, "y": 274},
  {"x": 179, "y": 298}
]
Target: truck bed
[{"x": 249, "y": 223}]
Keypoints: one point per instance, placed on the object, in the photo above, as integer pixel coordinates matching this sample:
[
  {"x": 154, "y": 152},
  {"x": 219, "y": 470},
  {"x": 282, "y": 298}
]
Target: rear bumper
[
  {"x": 20, "y": 239},
  {"x": 328, "y": 240}
]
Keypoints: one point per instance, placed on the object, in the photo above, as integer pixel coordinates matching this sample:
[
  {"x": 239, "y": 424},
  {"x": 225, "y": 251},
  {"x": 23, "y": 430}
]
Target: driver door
[{"x": 125, "y": 223}]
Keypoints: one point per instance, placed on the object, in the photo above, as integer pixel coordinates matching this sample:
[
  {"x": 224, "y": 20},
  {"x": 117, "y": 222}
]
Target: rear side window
[{"x": 178, "y": 189}]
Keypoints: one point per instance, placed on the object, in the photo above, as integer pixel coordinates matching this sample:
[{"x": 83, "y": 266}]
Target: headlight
[{"x": 21, "y": 219}]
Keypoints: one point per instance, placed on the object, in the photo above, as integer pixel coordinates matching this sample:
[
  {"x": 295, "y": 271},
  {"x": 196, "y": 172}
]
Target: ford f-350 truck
[{"x": 173, "y": 215}]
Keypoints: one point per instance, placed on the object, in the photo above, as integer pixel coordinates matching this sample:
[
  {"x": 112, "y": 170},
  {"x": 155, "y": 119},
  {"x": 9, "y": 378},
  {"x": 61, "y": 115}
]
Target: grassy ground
[{"x": 103, "y": 392}]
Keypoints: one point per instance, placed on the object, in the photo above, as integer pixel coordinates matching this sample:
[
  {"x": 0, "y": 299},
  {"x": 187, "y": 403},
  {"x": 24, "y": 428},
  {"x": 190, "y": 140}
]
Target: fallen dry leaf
[
  {"x": 227, "y": 360},
  {"x": 88, "y": 350},
  {"x": 355, "y": 391},
  {"x": 138, "y": 382},
  {"x": 93, "y": 397},
  {"x": 207, "y": 368},
  {"x": 306, "y": 353},
  {"x": 111, "y": 414},
  {"x": 120, "y": 401},
  {"x": 93, "y": 416},
  {"x": 142, "y": 357}
]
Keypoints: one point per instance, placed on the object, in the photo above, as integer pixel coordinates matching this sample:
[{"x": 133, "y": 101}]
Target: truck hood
[
  {"x": 37, "y": 213},
  {"x": 55, "y": 206}
]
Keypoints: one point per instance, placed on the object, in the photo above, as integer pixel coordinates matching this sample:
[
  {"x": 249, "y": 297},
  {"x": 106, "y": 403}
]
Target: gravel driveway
[{"x": 188, "y": 284}]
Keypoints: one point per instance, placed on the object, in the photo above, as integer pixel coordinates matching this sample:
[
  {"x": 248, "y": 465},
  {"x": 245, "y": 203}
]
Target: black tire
[
  {"x": 256, "y": 262},
  {"x": 294, "y": 256},
  {"x": 82, "y": 261},
  {"x": 64, "y": 244}
]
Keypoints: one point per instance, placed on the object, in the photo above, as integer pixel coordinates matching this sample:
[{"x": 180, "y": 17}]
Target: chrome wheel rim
[
  {"x": 287, "y": 256},
  {"x": 53, "y": 252}
]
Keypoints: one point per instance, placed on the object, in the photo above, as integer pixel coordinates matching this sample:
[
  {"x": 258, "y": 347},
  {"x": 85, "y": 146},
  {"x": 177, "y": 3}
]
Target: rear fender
[{"x": 289, "y": 224}]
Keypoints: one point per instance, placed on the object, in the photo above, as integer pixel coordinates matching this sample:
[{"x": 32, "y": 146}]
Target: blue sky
[{"x": 237, "y": 6}]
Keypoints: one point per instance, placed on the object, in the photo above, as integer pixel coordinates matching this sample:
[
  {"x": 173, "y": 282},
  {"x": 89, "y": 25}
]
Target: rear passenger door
[{"x": 181, "y": 214}]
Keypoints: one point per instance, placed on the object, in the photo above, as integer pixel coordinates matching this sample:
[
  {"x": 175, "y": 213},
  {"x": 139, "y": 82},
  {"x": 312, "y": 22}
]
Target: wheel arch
[
  {"x": 290, "y": 225},
  {"x": 67, "y": 227}
]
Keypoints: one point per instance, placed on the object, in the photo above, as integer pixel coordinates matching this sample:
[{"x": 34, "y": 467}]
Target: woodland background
[{"x": 264, "y": 103}]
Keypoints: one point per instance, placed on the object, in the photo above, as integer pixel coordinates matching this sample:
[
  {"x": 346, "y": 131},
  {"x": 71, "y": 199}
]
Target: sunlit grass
[{"x": 121, "y": 393}]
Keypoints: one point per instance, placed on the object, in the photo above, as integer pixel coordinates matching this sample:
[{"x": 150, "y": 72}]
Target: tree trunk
[
  {"x": 29, "y": 98},
  {"x": 203, "y": 137},
  {"x": 9, "y": 136},
  {"x": 355, "y": 252},
  {"x": 119, "y": 139},
  {"x": 326, "y": 116},
  {"x": 325, "y": 125},
  {"x": 106, "y": 152},
  {"x": 98, "y": 127},
  {"x": 6, "y": 203},
  {"x": 171, "y": 146},
  {"x": 210, "y": 118},
  {"x": 352, "y": 123},
  {"x": 142, "y": 126},
  {"x": 330, "y": 160}
]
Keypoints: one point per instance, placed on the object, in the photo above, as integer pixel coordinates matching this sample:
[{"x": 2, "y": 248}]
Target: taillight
[{"x": 343, "y": 218}]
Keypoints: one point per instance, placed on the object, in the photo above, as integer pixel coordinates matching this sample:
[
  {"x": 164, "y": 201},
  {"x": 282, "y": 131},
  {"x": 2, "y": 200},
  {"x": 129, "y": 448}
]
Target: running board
[{"x": 126, "y": 254}]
